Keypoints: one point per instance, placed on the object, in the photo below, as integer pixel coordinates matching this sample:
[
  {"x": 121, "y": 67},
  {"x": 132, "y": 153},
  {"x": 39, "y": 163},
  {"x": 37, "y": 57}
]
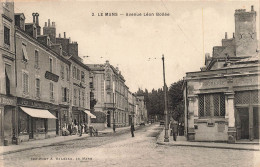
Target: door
[
  {"x": 108, "y": 119},
  {"x": 30, "y": 127},
  {"x": 256, "y": 122},
  {"x": 242, "y": 123}
]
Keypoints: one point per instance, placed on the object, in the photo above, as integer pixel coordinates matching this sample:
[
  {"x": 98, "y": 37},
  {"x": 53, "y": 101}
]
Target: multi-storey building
[
  {"x": 44, "y": 85},
  {"x": 8, "y": 113},
  {"x": 111, "y": 94},
  {"x": 42, "y": 82},
  {"x": 222, "y": 100},
  {"x": 141, "y": 111}
]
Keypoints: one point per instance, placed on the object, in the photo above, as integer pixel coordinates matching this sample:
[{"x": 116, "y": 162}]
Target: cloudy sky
[{"x": 129, "y": 41}]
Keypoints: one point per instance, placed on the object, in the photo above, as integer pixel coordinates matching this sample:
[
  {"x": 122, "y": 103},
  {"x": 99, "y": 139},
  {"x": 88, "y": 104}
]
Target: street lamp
[
  {"x": 114, "y": 126},
  {"x": 166, "y": 136}
]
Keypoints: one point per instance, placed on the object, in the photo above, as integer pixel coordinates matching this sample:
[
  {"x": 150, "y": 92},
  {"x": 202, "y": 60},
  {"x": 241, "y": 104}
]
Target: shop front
[
  {"x": 37, "y": 120},
  {"x": 8, "y": 119}
]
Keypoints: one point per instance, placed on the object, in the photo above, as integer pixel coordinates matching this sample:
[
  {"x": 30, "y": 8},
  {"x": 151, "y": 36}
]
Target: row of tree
[{"x": 155, "y": 101}]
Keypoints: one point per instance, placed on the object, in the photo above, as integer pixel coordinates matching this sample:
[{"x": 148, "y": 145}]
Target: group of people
[{"x": 74, "y": 129}]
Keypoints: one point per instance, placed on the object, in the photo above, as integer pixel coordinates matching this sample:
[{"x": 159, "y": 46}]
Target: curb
[
  {"x": 217, "y": 147},
  {"x": 47, "y": 145}
]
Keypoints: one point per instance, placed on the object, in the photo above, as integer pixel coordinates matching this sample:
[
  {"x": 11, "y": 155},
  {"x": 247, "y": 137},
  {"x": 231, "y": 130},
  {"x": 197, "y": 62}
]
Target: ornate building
[
  {"x": 222, "y": 100},
  {"x": 111, "y": 94}
]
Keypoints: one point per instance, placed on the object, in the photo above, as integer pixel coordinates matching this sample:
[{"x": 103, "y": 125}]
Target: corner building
[
  {"x": 222, "y": 100},
  {"x": 111, "y": 94}
]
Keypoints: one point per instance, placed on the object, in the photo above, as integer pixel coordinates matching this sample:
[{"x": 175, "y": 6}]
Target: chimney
[
  {"x": 33, "y": 14},
  {"x": 59, "y": 35},
  {"x": 64, "y": 34},
  {"x": 49, "y": 22},
  {"x": 233, "y": 35},
  {"x": 69, "y": 40},
  {"x": 37, "y": 18},
  {"x": 225, "y": 35},
  {"x": 252, "y": 8},
  {"x": 45, "y": 24},
  {"x": 53, "y": 24}
]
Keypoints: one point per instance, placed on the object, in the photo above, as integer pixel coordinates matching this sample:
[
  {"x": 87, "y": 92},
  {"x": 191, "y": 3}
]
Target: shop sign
[
  {"x": 35, "y": 104},
  {"x": 7, "y": 100},
  {"x": 243, "y": 81},
  {"x": 212, "y": 83}
]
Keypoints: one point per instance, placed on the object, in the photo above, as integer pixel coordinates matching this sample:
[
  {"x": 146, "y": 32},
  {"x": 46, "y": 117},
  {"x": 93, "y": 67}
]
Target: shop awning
[
  {"x": 89, "y": 114},
  {"x": 38, "y": 113}
]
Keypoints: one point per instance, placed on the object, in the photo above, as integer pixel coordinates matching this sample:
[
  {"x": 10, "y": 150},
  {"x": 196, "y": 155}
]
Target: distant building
[
  {"x": 111, "y": 94},
  {"x": 222, "y": 100}
]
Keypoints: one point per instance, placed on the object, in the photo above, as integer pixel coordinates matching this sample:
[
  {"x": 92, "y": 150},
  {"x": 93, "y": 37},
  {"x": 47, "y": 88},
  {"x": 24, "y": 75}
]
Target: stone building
[
  {"x": 8, "y": 114},
  {"x": 141, "y": 111},
  {"x": 111, "y": 94},
  {"x": 42, "y": 88},
  {"x": 222, "y": 100},
  {"x": 44, "y": 85}
]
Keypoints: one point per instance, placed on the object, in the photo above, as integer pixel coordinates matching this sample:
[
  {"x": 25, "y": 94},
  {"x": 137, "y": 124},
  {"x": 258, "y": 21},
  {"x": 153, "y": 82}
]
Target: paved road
[{"x": 123, "y": 150}]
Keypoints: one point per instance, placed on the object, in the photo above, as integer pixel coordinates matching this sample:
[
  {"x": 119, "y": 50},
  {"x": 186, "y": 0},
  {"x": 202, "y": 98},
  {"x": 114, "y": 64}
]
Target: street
[{"x": 121, "y": 149}]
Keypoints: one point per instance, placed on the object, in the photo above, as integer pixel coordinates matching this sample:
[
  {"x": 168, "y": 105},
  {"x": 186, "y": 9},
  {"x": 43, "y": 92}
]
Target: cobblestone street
[{"x": 123, "y": 150}]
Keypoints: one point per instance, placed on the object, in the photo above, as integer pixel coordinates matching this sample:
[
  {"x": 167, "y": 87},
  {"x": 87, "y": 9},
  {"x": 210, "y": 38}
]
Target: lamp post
[
  {"x": 166, "y": 136},
  {"x": 114, "y": 126}
]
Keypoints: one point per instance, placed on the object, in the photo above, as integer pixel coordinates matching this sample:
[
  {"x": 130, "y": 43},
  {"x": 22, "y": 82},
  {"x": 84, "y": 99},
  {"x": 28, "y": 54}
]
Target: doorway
[
  {"x": 256, "y": 122},
  {"x": 242, "y": 123},
  {"x": 108, "y": 119}
]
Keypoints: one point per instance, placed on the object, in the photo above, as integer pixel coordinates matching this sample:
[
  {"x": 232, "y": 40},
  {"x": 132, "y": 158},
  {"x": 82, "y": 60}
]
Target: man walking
[
  {"x": 132, "y": 128},
  {"x": 174, "y": 127}
]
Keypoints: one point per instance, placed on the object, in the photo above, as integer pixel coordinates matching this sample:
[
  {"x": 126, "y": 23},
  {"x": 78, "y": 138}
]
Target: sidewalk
[
  {"x": 52, "y": 141},
  {"x": 181, "y": 141}
]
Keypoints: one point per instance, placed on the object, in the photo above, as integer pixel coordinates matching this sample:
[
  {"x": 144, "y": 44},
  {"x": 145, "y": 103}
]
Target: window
[
  {"x": 25, "y": 83},
  {"x": 74, "y": 72},
  {"x": 82, "y": 76},
  {"x": 62, "y": 71},
  {"x": 37, "y": 85},
  {"x": 36, "y": 55},
  {"x": 78, "y": 74},
  {"x": 68, "y": 73},
  {"x": 51, "y": 65},
  {"x": 75, "y": 97},
  {"x": 6, "y": 35},
  {"x": 212, "y": 105},
  {"x": 65, "y": 94},
  {"x": 79, "y": 98},
  {"x": 83, "y": 99},
  {"x": 8, "y": 77},
  {"x": 91, "y": 86},
  {"x": 51, "y": 91},
  {"x": 25, "y": 56}
]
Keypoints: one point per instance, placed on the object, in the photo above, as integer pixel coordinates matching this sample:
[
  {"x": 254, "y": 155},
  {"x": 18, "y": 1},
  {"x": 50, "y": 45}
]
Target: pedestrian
[
  {"x": 174, "y": 127},
  {"x": 80, "y": 129},
  {"x": 132, "y": 128},
  {"x": 70, "y": 129}
]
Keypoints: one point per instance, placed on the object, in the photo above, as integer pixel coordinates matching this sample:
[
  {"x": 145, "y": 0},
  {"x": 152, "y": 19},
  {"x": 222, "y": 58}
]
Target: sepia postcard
[{"x": 129, "y": 83}]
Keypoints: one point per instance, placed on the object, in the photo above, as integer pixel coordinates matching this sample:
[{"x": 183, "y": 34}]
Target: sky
[{"x": 135, "y": 44}]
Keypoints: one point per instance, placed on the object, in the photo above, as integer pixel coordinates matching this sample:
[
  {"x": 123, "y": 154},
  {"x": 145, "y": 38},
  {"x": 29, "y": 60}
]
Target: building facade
[
  {"x": 44, "y": 85},
  {"x": 8, "y": 113},
  {"x": 111, "y": 94},
  {"x": 222, "y": 100}
]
